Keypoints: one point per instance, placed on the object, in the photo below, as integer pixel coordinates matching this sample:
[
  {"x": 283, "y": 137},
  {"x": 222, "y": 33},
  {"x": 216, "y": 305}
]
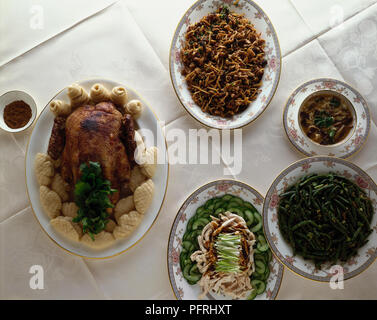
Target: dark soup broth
[{"x": 326, "y": 117}]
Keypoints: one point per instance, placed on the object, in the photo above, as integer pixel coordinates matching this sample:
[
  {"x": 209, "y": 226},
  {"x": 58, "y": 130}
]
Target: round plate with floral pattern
[
  {"x": 271, "y": 73},
  {"x": 283, "y": 251},
  {"x": 181, "y": 288},
  {"x": 349, "y": 146}
]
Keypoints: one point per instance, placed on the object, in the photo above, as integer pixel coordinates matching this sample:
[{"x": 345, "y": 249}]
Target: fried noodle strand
[{"x": 223, "y": 63}]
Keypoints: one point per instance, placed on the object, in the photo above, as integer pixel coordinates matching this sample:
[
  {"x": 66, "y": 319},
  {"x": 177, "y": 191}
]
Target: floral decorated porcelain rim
[
  {"x": 282, "y": 250},
  {"x": 271, "y": 76},
  {"x": 307, "y": 147},
  {"x": 212, "y": 189}
]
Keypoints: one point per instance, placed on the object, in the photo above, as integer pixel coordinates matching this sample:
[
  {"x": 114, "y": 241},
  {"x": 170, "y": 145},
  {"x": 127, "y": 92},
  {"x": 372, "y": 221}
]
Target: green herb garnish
[
  {"x": 332, "y": 134},
  {"x": 323, "y": 120},
  {"x": 224, "y": 12},
  {"x": 228, "y": 248},
  {"x": 92, "y": 197},
  {"x": 334, "y": 103}
]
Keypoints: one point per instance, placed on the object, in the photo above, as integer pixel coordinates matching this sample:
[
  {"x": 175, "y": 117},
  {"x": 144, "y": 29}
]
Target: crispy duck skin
[
  {"x": 128, "y": 137},
  {"x": 93, "y": 134},
  {"x": 57, "y": 139}
]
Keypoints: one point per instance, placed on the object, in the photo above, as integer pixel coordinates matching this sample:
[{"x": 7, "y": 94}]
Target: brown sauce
[
  {"x": 326, "y": 117},
  {"x": 17, "y": 114}
]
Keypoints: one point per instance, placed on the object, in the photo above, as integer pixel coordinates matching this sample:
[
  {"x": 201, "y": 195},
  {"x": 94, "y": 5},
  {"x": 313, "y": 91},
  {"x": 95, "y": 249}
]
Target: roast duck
[{"x": 99, "y": 133}]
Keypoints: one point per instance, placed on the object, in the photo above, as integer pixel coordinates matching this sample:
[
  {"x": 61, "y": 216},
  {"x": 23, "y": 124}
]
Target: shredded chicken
[
  {"x": 224, "y": 60},
  {"x": 236, "y": 285}
]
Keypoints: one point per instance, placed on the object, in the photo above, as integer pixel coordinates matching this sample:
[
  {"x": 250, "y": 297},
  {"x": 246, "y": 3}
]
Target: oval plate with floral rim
[
  {"x": 305, "y": 145},
  {"x": 283, "y": 251},
  {"x": 271, "y": 74},
  {"x": 38, "y": 142},
  {"x": 181, "y": 288}
]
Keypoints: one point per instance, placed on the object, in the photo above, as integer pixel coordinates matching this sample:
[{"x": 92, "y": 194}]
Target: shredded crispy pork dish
[
  {"x": 223, "y": 58},
  {"x": 226, "y": 256}
]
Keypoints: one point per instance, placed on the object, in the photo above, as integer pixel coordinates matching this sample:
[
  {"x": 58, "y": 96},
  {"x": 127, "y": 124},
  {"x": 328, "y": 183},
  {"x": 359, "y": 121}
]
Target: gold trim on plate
[
  {"x": 265, "y": 203},
  {"x": 176, "y": 93},
  {"x": 163, "y": 199},
  {"x": 305, "y": 155},
  {"x": 180, "y": 208}
]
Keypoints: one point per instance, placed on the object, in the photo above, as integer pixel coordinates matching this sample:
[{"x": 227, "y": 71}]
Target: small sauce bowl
[{"x": 16, "y": 95}]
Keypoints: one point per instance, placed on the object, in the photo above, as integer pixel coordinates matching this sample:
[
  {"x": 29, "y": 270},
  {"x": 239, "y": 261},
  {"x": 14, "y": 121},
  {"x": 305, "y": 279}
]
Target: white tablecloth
[{"x": 46, "y": 45}]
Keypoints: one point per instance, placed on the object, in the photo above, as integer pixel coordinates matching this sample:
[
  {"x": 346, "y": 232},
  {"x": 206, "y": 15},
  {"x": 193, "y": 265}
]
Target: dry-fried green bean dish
[{"x": 325, "y": 218}]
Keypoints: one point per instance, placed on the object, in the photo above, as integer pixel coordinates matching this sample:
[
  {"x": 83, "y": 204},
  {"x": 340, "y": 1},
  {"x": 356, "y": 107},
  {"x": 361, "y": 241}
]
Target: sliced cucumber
[
  {"x": 260, "y": 267},
  {"x": 200, "y": 209},
  {"x": 186, "y": 236},
  {"x": 220, "y": 204},
  {"x": 209, "y": 203},
  {"x": 266, "y": 274},
  {"x": 257, "y": 251},
  {"x": 189, "y": 223},
  {"x": 191, "y": 277},
  {"x": 203, "y": 214},
  {"x": 262, "y": 247},
  {"x": 194, "y": 269},
  {"x": 260, "y": 256},
  {"x": 227, "y": 197},
  {"x": 258, "y": 226},
  {"x": 237, "y": 211},
  {"x": 252, "y": 295},
  {"x": 269, "y": 255},
  {"x": 232, "y": 204},
  {"x": 257, "y": 276},
  {"x": 249, "y": 217},
  {"x": 219, "y": 210},
  {"x": 237, "y": 200},
  {"x": 266, "y": 256},
  {"x": 193, "y": 235},
  {"x": 249, "y": 206},
  {"x": 187, "y": 246},
  {"x": 184, "y": 259},
  {"x": 201, "y": 222},
  {"x": 261, "y": 239},
  {"x": 259, "y": 286},
  {"x": 216, "y": 200}
]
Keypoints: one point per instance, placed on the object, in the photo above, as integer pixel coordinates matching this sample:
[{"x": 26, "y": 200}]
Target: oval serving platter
[
  {"x": 271, "y": 75},
  {"x": 181, "y": 288},
  {"x": 38, "y": 142},
  {"x": 284, "y": 252}
]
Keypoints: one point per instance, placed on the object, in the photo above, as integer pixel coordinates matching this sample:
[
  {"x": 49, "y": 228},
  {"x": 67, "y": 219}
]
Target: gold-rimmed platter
[{"x": 38, "y": 142}]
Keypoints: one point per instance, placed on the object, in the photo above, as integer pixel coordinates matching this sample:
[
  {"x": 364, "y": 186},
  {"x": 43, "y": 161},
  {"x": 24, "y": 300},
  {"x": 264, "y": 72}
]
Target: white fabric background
[{"x": 129, "y": 41}]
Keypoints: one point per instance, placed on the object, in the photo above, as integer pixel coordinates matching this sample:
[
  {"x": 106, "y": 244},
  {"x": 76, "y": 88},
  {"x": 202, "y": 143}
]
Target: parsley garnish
[
  {"x": 92, "y": 197},
  {"x": 323, "y": 120}
]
